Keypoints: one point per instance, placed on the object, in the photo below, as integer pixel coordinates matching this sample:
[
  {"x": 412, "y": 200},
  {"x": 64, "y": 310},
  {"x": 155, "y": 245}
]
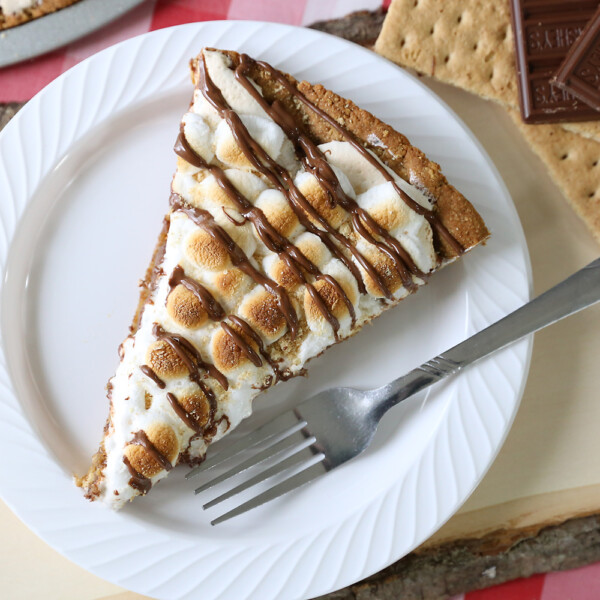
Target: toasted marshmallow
[
  {"x": 362, "y": 174},
  {"x": 198, "y": 134},
  {"x": 313, "y": 248},
  {"x": 279, "y": 213},
  {"x": 266, "y": 134},
  {"x": 164, "y": 439},
  {"x": 412, "y": 230},
  {"x": 320, "y": 201},
  {"x": 386, "y": 269},
  {"x": 260, "y": 308},
  {"x": 185, "y": 309}
]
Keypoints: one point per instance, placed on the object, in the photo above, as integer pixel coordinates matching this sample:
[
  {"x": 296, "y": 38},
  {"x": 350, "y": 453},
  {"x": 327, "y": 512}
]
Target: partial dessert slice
[
  {"x": 16, "y": 12},
  {"x": 295, "y": 218}
]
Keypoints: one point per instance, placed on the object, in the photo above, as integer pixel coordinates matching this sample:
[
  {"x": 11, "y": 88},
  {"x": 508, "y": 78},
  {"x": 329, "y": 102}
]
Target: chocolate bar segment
[
  {"x": 579, "y": 73},
  {"x": 544, "y": 32}
]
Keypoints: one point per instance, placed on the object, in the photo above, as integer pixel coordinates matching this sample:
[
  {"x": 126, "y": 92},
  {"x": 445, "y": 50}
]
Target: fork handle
[{"x": 580, "y": 290}]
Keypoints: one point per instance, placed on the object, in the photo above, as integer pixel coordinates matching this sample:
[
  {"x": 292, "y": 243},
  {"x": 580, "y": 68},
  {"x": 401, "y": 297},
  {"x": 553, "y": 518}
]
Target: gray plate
[{"x": 57, "y": 29}]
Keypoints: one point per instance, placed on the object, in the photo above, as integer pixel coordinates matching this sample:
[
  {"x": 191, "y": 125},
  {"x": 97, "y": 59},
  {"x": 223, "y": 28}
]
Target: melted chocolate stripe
[
  {"x": 316, "y": 297},
  {"x": 213, "y": 309},
  {"x": 267, "y": 233},
  {"x": 189, "y": 356},
  {"x": 138, "y": 481},
  {"x": 183, "y": 414},
  {"x": 302, "y": 207},
  {"x": 257, "y": 159},
  {"x": 428, "y": 214},
  {"x": 315, "y": 162},
  {"x": 148, "y": 372},
  {"x": 204, "y": 219},
  {"x": 273, "y": 171},
  {"x": 242, "y": 344},
  {"x": 245, "y": 327},
  {"x": 141, "y": 439}
]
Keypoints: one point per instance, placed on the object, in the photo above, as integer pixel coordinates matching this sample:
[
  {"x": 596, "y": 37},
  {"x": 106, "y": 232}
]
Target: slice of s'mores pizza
[{"x": 295, "y": 218}]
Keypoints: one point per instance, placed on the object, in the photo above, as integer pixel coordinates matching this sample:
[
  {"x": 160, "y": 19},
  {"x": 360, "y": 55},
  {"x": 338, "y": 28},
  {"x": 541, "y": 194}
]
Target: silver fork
[{"x": 338, "y": 424}]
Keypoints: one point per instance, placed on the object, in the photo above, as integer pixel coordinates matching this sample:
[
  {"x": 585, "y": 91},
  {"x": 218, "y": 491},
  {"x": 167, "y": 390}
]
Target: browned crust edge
[{"x": 44, "y": 8}]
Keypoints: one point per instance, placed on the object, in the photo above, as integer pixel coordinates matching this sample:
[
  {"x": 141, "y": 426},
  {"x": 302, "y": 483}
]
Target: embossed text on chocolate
[
  {"x": 546, "y": 95},
  {"x": 551, "y": 37}
]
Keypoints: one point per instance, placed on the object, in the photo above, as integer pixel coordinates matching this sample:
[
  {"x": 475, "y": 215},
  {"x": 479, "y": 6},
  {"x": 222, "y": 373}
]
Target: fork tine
[
  {"x": 295, "y": 459},
  {"x": 291, "y": 483},
  {"x": 281, "y": 447},
  {"x": 286, "y": 424}
]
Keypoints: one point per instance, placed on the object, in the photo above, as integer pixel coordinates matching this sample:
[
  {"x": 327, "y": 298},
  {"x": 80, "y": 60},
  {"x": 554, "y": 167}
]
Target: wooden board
[{"x": 547, "y": 476}]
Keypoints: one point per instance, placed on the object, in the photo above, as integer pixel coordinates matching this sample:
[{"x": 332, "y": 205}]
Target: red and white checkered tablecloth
[{"x": 20, "y": 82}]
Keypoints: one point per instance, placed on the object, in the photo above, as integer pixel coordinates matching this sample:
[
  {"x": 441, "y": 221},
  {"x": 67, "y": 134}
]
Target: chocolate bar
[
  {"x": 579, "y": 73},
  {"x": 544, "y": 32}
]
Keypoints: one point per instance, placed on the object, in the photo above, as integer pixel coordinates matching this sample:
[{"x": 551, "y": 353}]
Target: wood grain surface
[{"x": 538, "y": 508}]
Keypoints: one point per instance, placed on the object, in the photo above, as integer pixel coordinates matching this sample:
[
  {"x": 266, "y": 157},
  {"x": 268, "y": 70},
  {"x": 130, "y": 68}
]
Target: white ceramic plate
[{"x": 84, "y": 179}]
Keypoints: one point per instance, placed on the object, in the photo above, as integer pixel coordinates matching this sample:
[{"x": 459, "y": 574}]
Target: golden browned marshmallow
[
  {"x": 279, "y": 213},
  {"x": 207, "y": 251},
  {"x": 147, "y": 400},
  {"x": 227, "y": 150},
  {"x": 390, "y": 214},
  {"x": 227, "y": 354},
  {"x": 385, "y": 267},
  {"x": 164, "y": 439},
  {"x": 185, "y": 309},
  {"x": 261, "y": 310},
  {"x": 318, "y": 198},
  {"x": 209, "y": 192},
  {"x": 332, "y": 297},
  {"x": 164, "y": 361},
  {"x": 232, "y": 284},
  {"x": 199, "y": 176},
  {"x": 278, "y": 270},
  {"x": 313, "y": 248},
  {"x": 197, "y": 406}
]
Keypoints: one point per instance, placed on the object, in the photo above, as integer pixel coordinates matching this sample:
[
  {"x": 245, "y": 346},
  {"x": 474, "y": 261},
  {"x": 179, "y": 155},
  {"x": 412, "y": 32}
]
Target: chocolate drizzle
[
  {"x": 277, "y": 175},
  {"x": 188, "y": 418},
  {"x": 138, "y": 481},
  {"x": 204, "y": 219},
  {"x": 234, "y": 221},
  {"x": 183, "y": 414},
  {"x": 316, "y": 163},
  {"x": 269, "y": 236},
  {"x": 190, "y": 357},
  {"x": 148, "y": 372},
  {"x": 141, "y": 439},
  {"x": 242, "y": 344},
  {"x": 239, "y": 322},
  {"x": 212, "y": 308},
  {"x": 226, "y": 420},
  {"x": 431, "y": 217}
]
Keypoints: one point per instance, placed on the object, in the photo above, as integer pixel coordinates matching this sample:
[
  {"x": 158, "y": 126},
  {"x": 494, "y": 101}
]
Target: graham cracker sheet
[
  {"x": 573, "y": 162},
  {"x": 467, "y": 43}
]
